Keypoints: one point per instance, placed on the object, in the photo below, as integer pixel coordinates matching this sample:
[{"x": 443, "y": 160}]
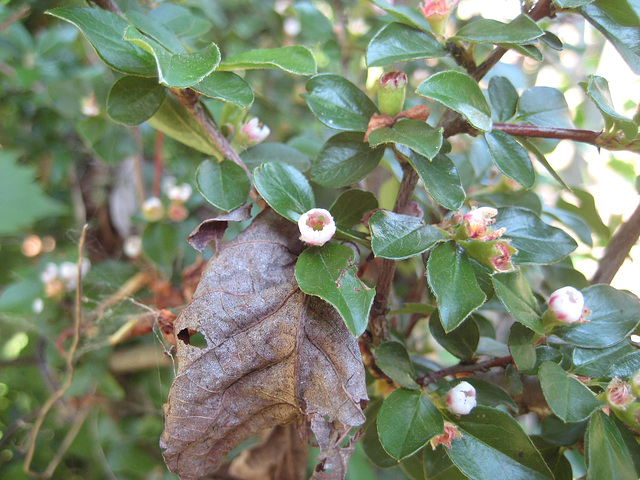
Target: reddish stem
[
  {"x": 585, "y": 136},
  {"x": 461, "y": 368}
]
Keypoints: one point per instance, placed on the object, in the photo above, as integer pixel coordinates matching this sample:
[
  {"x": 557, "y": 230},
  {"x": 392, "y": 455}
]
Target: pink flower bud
[
  {"x": 567, "y": 304},
  {"x": 152, "y": 210},
  {"x": 476, "y": 223},
  {"x": 618, "y": 394},
  {"x": 254, "y": 132},
  {"x": 316, "y": 226},
  {"x": 177, "y": 212},
  {"x": 438, "y": 7},
  {"x": 461, "y": 399},
  {"x": 451, "y": 432}
]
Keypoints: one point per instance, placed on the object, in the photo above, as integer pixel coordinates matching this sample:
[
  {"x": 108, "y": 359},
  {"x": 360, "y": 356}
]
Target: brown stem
[
  {"x": 464, "y": 368},
  {"x": 157, "y": 163},
  {"x": 618, "y": 249},
  {"x": 109, "y": 5},
  {"x": 586, "y": 136}
]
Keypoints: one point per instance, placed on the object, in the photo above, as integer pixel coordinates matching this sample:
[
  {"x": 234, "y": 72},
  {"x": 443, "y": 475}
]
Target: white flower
[
  {"x": 168, "y": 182},
  {"x": 132, "y": 246},
  {"x": 316, "y": 226},
  {"x": 462, "y": 398},
  {"x": 254, "y": 131},
  {"x": 69, "y": 273},
  {"x": 38, "y": 305},
  {"x": 152, "y": 210},
  {"x": 180, "y": 193},
  {"x": 567, "y": 304},
  {"x": 50, "y": 273}
]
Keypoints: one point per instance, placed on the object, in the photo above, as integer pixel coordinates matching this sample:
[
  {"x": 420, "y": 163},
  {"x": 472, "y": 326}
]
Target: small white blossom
[
  {"x": 462, "y": 398},
  {"x": 168, "y": 182},
  {"x": 132, "y": 246},
  {"x": 567, "y": 304},
  {"x": 316, "y": 226},
  {"x": 291, "y": 26},
  {"x": 152, "y": 210},
  {"x": 69, "y": 273},
  {"x": 50, "y": 273},
  {"x": 180, "y": 193},
  {"x": 254, "y": 131}
]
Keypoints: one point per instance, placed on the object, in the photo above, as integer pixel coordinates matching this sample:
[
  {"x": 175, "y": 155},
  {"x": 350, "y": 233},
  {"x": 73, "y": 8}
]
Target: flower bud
[
  {"x": 177, "y": 212},
  {"x": 252, "y": 133},
  {"x": 316, "y": 226},
  {"x": 494, "y": 253},
  {"x": 180, "y": 193},
  {"x": 451, "y": 432},
  {"x": 392, "y": 92},
  {"x": 567, "y": 305},
  {"x": 152, "y": 209},
  {"x": 476, "y": 224},
  {"x": 38, "y": 305},
  {"x": 50, "y": 273},
  {"x": 132, "y": 247},
  {"x": 622, "y": 402},
  {"x": 69, "y": 273},
  {"x": 461, "y": 399},
  {"x": 437, "y": 13}
]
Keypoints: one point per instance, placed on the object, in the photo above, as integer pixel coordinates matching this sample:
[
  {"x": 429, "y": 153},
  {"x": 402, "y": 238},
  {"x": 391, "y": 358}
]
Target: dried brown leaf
[
  {"x": 273, "y": 356},
  {"x": 213, "y": 229}
]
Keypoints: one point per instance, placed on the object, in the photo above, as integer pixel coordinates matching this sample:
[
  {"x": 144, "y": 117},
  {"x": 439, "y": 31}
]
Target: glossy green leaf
[
  {"x": 330, "y": 272},
  {"x": 597, "y": 89},
  {"x": 344, "y": 160},
  {"x": 415, "y": 134},
  {"x": 105, "y": 31},
  {"x": 504, "y": 98},
  {"x": 275, "y": 152},
  {"x": 393, "y": 359},
  {"x": 624, "y": 367},
  {"x": 544, "y": 106},
  {"x": 590, "y": 362},
  {"x": 439, "y": 176},
  {"x": 155, "y": 29},
  {"x": 606, "y": 451},
  {"x": 413, "y": 466},
  {"x": 399, "y": 43},
  {"x": 226, "y": 86},
  {"x": 535, "y": 241},
  {"x": 614, "y": 315},
  {"x": 350, "y": 206},
  {"x": 225, "y": 185},
  {"x": 510, "y": 157},
  {"x": 629, "y": 440},
  {"x": 405, "y": 14},
  {"x": 545, "y": 163},
  {"x": 558, "y": 432},
  {"x": 411, "y": 307},
  {"x": 571, "y": 3},
  {"x": 491, "y": 395},
  {"x": 530, "y": 51},
  {"x": 396, "y": 236},
  {"x": 461, "y": 93},
  {"x": 461, "y": 342},
  {"x": 494, "y": 447},
  {"x": 514, "y": 292},
  {"x": 452, "y": 280},
  {"x": 573, "y": 222},
  {"x": 569, "y": 399},
  {"x": 285, "y": 189},
  {"x": 338, "y": 103},
  {"x": 520, "y": 30},
  {"x": 177, "y": 69},
  {"x": 438, "y": 466},
  {"x": 160, "y": 244},
  {"x": 522, "y": 347},
  {"x": 133, "y": 100},
  {"x": 295, "y": 59},
  {"x": 371, "y": 445},
  {"x": 407, "y": 421},
  {"x": 552, "y": 40},
  {"x": 586, "y": 209},
  {"x": 174, "y": 121}
]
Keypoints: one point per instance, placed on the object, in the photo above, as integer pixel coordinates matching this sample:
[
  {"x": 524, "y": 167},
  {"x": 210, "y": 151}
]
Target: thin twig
[
  {"x": 618, "y": 249},
  {"x": 464, "y": 368},
  {"x": 585, "y": 136},
  {"x": 53, "y": 399},
  {"x": 157, "y": 163}
]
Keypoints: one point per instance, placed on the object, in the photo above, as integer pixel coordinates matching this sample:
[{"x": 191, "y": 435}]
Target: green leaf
[
  {"x": 614, "y": 315},
  {"x": 521, "y": 30},
  {"x": 338, "y": 103},
  {"x": 314, "y": 25},
  {"x": 155, "y": 29},
  {"x": 552, "y": 40},
  {"x": 344, "y": 160},
  {"x": 591, "y": 362},
  {"x": 160, "y": 243},
  {"x": 407, "y": 421},
  {"x": 494, "y": 447},
  {"x": 461, "y": 93},
  {"x": 544, "y": 106},
  {"x": 295, "y": 59},
  {"x": 174, "y": 121},
  {"x": 226, "y": 86},
  {"x": 510, "y": 158},
  {"x": 522, "y": 347},
  {"x": 573, "y": 222},
  {"x": 452, "y": 280},
  {"x": 569, "y": 399},
  {"x": 410, "y": 307},
  {"x": 504, "y": 98},
  {"x": 514, "y": 292},
  {"x": 105, "y": 31},
  {"x": 350, "y": 206},
  {"x": 399, "y": 43},
  {"x": 415, "y": 134},
  {"x": 177, "y": 69},
  {"x": 535, "y": 241},
  {"x": 405, "y": 14},
  {"x": 461, "y": 342},
  {"x": 371, "y": 445},
  {"x": 545, "y": 163},
  {"x": 597, "y": 89},
  {"x": 571, "y": 3},
  {"x": 133, "y": 100},
  {"x": 225, "y": 185},
  {"x": 624, "y": 367},
  {"x": 275, "y": 152},
  {"x": 393, "y": 359},
  {"x": 606, "y": 451},
  {"x": 491, "y": 395},
  {"x": 109, "y": 141},
  {"x": 396, "y": 236},
  {"x": 23, "y": 201},
  {"x": 330, "y": 273},
  {"x": 557, "y": 432},
  {"x": 439, "y": 176},
  {"x": 438, "y": 466},
  {"x": 285, "y": 189}
]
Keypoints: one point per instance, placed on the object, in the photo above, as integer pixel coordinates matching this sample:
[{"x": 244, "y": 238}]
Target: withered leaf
[
  {"x": 273, "y": 355},
  {"x": 213, "y": 229}
]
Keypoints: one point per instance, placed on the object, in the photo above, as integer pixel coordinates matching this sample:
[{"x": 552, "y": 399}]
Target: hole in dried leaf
[{"x": 195, "y": 339}]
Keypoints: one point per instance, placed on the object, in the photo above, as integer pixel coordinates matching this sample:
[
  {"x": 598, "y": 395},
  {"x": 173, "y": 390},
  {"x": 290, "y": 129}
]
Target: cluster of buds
[
  {"x": 437, "y": 13},
  {"x": 622, "y": 399},
  {"x": 483, "y": 242},
  {"x": 63, "y": 277},
  {"x": 566, "y": 305},
  {"x": 153, "y": 210},
  {"x": 316, "y": 226}
]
